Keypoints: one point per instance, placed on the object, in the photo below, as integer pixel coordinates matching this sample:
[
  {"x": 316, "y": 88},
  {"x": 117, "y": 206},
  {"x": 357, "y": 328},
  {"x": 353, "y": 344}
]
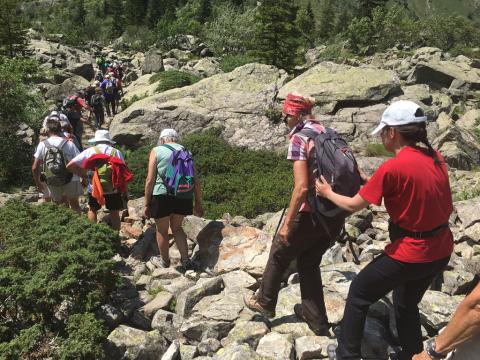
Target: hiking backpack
[
  {"x": 55, "y": 170},
  {"x": 109, "y": 87},
  {"x": 104, "y": 170},
  {"x": 332, "y": 158},
  {"x": 97, "y": 101},
  {"x": 178, "y": 177}
]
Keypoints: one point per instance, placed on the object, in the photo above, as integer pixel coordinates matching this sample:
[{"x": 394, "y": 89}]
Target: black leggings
[{"x": 409, "y": 282}]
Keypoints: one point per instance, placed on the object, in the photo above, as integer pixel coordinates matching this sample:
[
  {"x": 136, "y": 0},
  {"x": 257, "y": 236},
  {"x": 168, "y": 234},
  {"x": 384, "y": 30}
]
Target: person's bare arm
[
  {"x": 150, "y": 181},
  {"x": 299, "y": 194},
  {"x": 464, "y": 325},
  {"x": 36, "y": 174},
  {"x": 350, "y": 204},
  {"x": 76, "y": 169}
]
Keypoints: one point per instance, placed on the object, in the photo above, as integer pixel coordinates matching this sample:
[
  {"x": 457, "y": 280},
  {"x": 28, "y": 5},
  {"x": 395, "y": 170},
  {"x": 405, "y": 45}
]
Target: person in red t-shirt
[{"x": 416, "y": 192}]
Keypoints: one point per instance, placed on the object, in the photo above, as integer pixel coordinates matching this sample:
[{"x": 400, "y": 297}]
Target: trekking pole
[{"x": 280, "y": 221}]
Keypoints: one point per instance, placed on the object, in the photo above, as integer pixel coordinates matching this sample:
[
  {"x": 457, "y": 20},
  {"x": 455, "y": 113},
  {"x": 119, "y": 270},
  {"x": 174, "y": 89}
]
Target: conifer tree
[
  {"x": 117, "y": 12},
  {"x": 155, "y": 10},
  {"x": 327, "y": 19},
  {"x": 12, "y": 33},
  {"x": 276, "y": 39},
  {"x": 135, "y": 11},
  {"x": 205, "y": 11},
  {"x": 365, "y": 7},
  {"x": 342, "y": 22},
  {"x": 306, "y": 24}
]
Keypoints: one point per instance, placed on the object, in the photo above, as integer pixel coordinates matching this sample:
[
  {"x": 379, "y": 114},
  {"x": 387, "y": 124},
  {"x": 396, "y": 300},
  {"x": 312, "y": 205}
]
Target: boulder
[
  {"x": 436, "y": 308},
  {"x": 467, "y": 211},
  {"x": 238, "y": 352},
  {"x": 203, "y": 68},
  {"x": 226, "y": 306},
  {"x": 225, "y": 248},
  {"x": 208, "y": 347},
  {"x": 66, "y": 88},
  {"x": 276, "y": 346},
  {"x": 457, "y": 282},
  {"x": 168, "y": 324},
  {"x": 132, "y": 344},
  {"x": 196, "y": 328},
  {"x": 84, "y": 70},
  {"x": 333, "y": 84},
  {"x": 188, "y": 298},
  {"x": 312, "y": 347},
  {"x": 187, "y": 352},
  {"x": 239, "y": 279},
  {"x": 153, "y": 62},
  {"x": 161, "y": 301},
  {"x": 172, "y": 352},
  {"x": 459, "y": 148},
  {"x": 249, "y": 332},
  {"x": 236, "y": 102}
]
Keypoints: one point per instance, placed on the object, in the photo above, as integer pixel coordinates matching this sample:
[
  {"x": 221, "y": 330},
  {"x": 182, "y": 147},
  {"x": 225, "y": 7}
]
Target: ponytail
[{"x": 417, "y": 132}]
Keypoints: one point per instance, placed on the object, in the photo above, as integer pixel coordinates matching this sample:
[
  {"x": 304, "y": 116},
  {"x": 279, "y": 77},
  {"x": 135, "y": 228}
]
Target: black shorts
[
  {"x": 113, "y": 202},
  {"x": 165, "y": 205}
]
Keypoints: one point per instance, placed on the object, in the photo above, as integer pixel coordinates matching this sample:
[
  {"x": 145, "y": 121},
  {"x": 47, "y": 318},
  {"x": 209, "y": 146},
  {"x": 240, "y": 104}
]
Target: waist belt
[{"x": 397, "y": 232}]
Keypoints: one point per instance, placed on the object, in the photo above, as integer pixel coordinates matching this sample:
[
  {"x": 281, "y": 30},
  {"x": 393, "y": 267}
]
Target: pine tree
[
  {"x": 276, "y": 40},
  {"x": 12, "y": 33},
  {"x": 135, "y": 11},
  {"x": 79, "y": 13},
  {"x": 327, "y": 19},
  {"x": 205, "y": 11},
  {"x": 342, "y": 22},
  {"x": 365, "y": 7},
  {"x": 306, "y": 24},
  {"x": 155, "y": 10},
  {"x": 118, "y": 23}
]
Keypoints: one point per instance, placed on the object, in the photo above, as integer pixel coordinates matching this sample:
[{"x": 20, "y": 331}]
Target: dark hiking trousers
[
  {"x": 99, "y": 116},
  {"x": 308, "y": 243},
  {"x": 110, "y": 105},
  {"x": 409, "y": 282}
]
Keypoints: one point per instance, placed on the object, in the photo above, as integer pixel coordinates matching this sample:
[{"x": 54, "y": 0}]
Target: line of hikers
[{"x": 329, "y": 186}]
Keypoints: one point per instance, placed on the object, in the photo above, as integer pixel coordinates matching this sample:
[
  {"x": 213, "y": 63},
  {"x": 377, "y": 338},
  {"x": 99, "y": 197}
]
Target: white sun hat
[
  {"x": 168, "y": 133},
  {"x": 401, "y": 112},
  {"x": 101, "y": 136}
]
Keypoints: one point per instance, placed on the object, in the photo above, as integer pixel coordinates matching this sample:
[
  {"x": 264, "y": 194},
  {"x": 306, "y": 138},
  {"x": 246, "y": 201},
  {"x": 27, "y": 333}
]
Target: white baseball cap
[
  {"x": 101, "y": 136},
  {"x": 168, "y": 133},
  {"x": 401, "y": 112}
]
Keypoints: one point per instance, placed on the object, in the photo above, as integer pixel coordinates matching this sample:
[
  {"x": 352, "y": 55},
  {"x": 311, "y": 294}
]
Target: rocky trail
[{"x": 166, "y": 314}]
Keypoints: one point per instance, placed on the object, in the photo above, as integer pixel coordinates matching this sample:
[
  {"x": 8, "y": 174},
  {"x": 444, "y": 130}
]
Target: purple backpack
[{"x": 179, "y": 175}]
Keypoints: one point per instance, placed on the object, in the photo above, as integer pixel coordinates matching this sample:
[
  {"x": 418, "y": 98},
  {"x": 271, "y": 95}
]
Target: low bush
[
  {"x": 231, "y": 62},
  {"x": 377, "y": 150},
  {"x": 234, "y": 179},
  {"x": 52, "y": 261},
  {"x": 172, "y": 79},
  {"x": 125, "y": 103}
]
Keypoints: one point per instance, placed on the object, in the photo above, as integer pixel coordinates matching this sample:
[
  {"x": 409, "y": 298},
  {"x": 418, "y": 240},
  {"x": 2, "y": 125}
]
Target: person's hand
[
  {"x": 322, "y": 187},
  {"x": 363, "y": 176},
  {"x": 146, "y": 212},
  {"x": 198, "y": 210},
  {"x": 283, "y": 235},
  {"x": 422, "y": 356}
]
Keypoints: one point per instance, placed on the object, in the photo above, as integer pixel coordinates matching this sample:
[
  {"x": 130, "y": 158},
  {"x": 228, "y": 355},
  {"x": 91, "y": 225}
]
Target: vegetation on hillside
[
  {"x": 235, "y": 180},
  {"x": 55, "y": 272}
]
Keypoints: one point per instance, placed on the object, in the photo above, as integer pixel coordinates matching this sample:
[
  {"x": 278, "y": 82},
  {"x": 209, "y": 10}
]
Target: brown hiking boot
[
  {"x": 319, "y": 331},
  {"x": 252, "y": 303}
]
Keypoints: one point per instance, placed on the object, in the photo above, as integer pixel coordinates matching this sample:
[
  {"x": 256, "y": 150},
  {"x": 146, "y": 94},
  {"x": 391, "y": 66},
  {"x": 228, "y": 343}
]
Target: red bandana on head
[{"x": 297, "y": 105}]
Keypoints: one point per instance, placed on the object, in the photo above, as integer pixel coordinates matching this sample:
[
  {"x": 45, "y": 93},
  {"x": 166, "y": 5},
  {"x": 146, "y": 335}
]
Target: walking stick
[{"x": 280, "y": 221}]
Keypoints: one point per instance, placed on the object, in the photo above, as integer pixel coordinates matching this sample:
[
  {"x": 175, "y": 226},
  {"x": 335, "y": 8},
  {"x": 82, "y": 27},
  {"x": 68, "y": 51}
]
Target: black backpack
[
  {"x": 97, "y": 101},
  {"x": 332, "y": 158}
]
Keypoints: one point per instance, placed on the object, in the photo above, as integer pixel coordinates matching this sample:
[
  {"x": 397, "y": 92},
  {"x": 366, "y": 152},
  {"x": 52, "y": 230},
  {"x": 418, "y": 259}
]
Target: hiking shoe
[
  {"x": 252, "y": 303},
  {"x": 322, "y": 331},
  {"x": 332, "y": 352},
  {"x": 158, "y": 262},
  {"x": 187, "y": 264}
]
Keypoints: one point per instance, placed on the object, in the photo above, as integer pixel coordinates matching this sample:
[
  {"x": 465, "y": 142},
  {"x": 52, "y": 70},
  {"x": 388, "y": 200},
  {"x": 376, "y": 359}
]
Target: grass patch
[
  {"x": 156, "y": 291},
  {"x": 172, "y": 307},
  {"x": 377, "y": 150},
  {"x": 172, "y": 79},
  {"x": 125, "y": 103},
  {"x": 231, "y": 62}
]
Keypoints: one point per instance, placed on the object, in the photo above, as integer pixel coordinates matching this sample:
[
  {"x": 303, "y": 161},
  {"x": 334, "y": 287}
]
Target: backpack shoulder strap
[
  {"x": 47, "y": 144},
  {"x": 62, "y": 144},
  {"x": 114, "y": 152},
  {"x": 310, "y": 133},
  {"x": 171, "y": 148}
]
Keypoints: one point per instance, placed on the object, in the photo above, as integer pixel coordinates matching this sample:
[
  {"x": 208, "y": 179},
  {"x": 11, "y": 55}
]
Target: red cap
[{"x": 297, "y": 105}]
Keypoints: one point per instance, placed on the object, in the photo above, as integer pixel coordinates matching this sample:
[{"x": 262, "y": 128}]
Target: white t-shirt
[
  {"x": 87, "y": 153},
  {"x": 70, "y": 151}
]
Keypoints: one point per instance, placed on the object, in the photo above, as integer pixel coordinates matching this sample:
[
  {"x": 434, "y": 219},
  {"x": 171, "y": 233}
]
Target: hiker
[
  {"x": 416, "y": 192},
  {"x": 68, "y": 134},
  {"x": 99, "y": 77},
  {"x": 117, "y": 84},
  {"x": 464, "y": 325},
  {"x": 167, "y": 205},
  {"x": 98, "y": 106},
  {"x": 89, "y": 92},
  {"x": 107, "y": 184},
  {"x": 73, "y": 107},
  {"x": 108, "y": 89},
  {"x": 49, "y": 170},
  {"x": 54, "y": 114},
  {"x": 303, "y": 236}
]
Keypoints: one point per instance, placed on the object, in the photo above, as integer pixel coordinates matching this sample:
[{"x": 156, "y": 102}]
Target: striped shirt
[{"x": 298, "y": 148}]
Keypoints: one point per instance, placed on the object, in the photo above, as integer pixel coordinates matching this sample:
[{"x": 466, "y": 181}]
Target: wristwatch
[{"x": 430, "y": 349}]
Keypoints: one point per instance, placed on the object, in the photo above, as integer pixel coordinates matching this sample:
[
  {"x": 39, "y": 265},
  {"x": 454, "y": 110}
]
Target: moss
[{"x": 377, "y": 150}]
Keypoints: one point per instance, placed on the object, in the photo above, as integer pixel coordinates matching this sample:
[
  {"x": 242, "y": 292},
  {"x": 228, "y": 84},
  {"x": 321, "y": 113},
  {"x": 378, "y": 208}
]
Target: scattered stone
[
  {"x": 276, "y": 346},
  {"x": 172, "y": 352},
  {"x": 165, "y": 274},
  {"x": 187, "y": 352},
  {"x": 436, "y": 308},
  {"x": 132, "y": 344},
  {"x": 196, "y": 328},
  {"x": 188, "y": 298},
  {"x": 238, "y": 352},
  {"x": 168, "y": 324},
  {"x": 239, "y": 279},
  {"x": 161, "y": 301},
  {"x": 208, "y": 347},
  {"x": 249, "y": 332},
  {"x": 312, "y": 347}
]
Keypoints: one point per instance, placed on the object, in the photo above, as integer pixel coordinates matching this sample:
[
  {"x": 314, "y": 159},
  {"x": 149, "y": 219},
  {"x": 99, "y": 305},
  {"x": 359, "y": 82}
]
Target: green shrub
[
  {"x": 231, "y": 62},
  {"x": 377, "y": 150},
  {"x": 49, "y": 255},
  {"x": 235, "y": 180},
  {"x": 172, "y": 79},
  {"x": 125, "y": 103}
]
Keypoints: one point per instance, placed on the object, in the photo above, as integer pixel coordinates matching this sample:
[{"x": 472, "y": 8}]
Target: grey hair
[
  {"x": 53, "y": 125},
  {"x": 166, "y": 139}
]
